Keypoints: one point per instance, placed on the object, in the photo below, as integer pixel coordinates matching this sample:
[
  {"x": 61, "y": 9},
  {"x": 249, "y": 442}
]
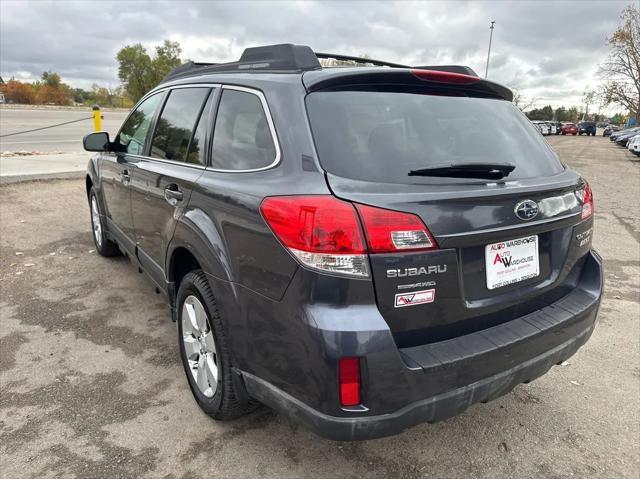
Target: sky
[{"x": 547, "y": 50}]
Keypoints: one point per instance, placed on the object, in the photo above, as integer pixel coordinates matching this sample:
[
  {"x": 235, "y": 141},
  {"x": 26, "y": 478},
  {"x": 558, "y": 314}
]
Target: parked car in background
[
  {"x": 622, "y": 138},
  {"x": 610, "y": 129},
  {"x": 306, "y": 271},
  {"x": 543, "y": 127},
  {"x": 587, "y": 128},
  {"x": 634, "y": 145},
  {"x": 558, "y": 127},
  {"x": 553, "y": 129},
  {"x": 569, "y": 129},
  {"x": 613, "y": 135}
]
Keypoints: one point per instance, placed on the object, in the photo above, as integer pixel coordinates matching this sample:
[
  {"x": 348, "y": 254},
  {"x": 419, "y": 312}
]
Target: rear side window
[
  {"x": 134, "y": 131},
  {"x": 242, "y": 139},
  {"x": 382, "y": 135},
  {"x": 176, "y": 124}
]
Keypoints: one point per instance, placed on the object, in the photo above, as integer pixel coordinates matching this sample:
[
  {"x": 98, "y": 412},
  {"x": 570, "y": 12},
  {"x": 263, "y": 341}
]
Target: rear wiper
[{"x": 488, "y": 171}]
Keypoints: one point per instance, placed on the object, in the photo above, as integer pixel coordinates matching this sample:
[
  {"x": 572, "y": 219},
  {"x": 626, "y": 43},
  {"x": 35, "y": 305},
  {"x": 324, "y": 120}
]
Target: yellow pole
[{"x": 97, "y": 119}]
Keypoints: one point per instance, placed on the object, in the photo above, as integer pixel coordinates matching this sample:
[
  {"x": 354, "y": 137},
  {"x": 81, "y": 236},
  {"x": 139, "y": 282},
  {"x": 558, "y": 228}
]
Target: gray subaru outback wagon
[{"x": 362, "y": 249}]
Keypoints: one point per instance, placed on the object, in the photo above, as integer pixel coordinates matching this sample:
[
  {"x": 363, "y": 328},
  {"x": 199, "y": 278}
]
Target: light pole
[{"x": 486, "y": 70}]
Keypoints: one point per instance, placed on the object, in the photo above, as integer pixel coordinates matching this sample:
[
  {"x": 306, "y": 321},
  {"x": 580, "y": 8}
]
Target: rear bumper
[{"x": 440, "y": 380}]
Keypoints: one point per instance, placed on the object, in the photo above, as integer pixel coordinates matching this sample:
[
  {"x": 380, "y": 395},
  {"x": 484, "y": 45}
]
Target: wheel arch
[
  {"x": 196, "y": 236},
  {"x": 196, "y": 244}
]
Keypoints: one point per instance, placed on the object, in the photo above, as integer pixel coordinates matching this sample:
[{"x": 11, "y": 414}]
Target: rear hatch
[{"x": 504, "y": 246}]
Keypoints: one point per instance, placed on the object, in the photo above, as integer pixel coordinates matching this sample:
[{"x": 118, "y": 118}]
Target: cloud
[{"x": 545, "y": 47}]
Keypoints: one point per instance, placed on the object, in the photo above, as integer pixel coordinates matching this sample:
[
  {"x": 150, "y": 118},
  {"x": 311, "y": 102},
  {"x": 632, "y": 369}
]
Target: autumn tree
[
  {"x": 18, "y": 92},
  {"x": 140, "y": 72},
  {"x": 621, "y": 70},
  {"x": 51, "y": 91}
]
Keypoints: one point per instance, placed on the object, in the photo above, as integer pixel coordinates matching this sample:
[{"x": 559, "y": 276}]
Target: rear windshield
[{"x": 381, "y": 136}]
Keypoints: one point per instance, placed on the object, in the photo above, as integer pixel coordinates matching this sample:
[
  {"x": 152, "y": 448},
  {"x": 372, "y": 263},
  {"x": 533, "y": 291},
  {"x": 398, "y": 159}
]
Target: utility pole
[{"x": 486, "y": 71}]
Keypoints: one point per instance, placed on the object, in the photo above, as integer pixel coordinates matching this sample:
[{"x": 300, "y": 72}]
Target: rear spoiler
[{"x": 434, "y": 77}]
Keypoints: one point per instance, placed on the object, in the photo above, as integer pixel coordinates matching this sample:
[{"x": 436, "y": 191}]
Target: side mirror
[{"x": 98, "y": 141}]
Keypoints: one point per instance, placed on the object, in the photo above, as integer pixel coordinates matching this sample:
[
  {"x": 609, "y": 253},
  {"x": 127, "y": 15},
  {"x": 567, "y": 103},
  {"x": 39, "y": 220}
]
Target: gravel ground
[{"x": 92, "y": 385}]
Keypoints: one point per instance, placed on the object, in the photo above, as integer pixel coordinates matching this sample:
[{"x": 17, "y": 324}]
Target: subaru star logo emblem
[{"x": 526, "y": 210}]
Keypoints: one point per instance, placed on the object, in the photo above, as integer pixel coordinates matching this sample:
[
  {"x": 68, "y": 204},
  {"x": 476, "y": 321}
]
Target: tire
[
  {"x": 563, "y": 133},
  {"x": 104, "y": 246},
  {"x": 204, "y": 351}
]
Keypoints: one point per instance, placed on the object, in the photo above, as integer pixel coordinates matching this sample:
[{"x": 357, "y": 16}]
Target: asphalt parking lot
[{"x": 92, "y": 385}]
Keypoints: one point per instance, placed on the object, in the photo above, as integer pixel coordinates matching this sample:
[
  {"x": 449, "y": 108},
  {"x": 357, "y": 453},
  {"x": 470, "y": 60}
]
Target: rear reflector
[
  {"x": 585, "y": 195},
  {"x": 444, "y": 77},
  {"x": 349, "y": 379},
  {"x": 390, "y": 231}
]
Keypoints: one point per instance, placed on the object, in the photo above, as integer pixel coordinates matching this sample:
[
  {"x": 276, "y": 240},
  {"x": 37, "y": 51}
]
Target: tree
[
  {"x": 560, "y": 113},
  {"x": 167, "y": 58},
  {"x": 133, "y": 70},
  {"x": 573, "y": 114},
  {"x": 618, "y": 119},
  {"x": 49, "y": 95},
  {"x": 588, "y": 97},
  {"x": 621, "y": 70},
  {"x": 51, "y": 79},
  {"x": 139, "y": 73},
  {"x": 521, "y": 101},
  {"x": 18, "y": 92},
  {"x": 545, "y": 113},
  {"x": 51, "y": 90}
]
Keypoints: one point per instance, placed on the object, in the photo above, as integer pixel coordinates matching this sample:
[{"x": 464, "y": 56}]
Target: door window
[
  {"x": 242, "y": 139},
  {"x": 176, "y": 124},
  {"x": 134, "y": 131}
]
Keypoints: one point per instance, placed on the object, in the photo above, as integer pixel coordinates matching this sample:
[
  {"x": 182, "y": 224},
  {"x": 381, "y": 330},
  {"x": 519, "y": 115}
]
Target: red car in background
[{"x": 569, "y": 129}]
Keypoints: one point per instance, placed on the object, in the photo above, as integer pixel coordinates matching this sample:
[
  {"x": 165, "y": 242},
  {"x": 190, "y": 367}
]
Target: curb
[{"x": 7, "y": 180}]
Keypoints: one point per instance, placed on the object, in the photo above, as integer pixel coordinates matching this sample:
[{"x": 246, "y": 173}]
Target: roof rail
[
  {"x": 287, "y": 57},
  {"x": 347, "y": 58}
]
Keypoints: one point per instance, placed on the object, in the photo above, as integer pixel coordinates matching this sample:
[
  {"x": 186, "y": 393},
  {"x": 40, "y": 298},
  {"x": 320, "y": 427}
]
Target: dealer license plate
[{"x": 512, "y": 261}]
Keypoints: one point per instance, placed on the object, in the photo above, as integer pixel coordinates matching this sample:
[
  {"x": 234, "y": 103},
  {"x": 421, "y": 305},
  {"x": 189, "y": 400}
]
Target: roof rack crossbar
[{"x": 348, "y": 58}]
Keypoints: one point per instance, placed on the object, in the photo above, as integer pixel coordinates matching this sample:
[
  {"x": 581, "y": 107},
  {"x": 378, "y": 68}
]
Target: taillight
[
  {"x": 444, "y": 77},
  {"x": 324, "y": 233},
  {"x": 390, "y": 231},
  {"x": 349, "y": 381},
  {"x": 585, "y": 195},
  {"x": 321, "y": 231}
]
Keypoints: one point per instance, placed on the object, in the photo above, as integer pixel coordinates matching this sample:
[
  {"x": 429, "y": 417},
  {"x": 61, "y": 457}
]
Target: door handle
[{"x": 173, "y": 194}]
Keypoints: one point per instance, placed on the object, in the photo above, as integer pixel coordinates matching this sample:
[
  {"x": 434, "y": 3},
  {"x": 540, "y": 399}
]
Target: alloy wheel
[
  {"x": 97, "y": 225},
  {"x": 199, "y": 346}
]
